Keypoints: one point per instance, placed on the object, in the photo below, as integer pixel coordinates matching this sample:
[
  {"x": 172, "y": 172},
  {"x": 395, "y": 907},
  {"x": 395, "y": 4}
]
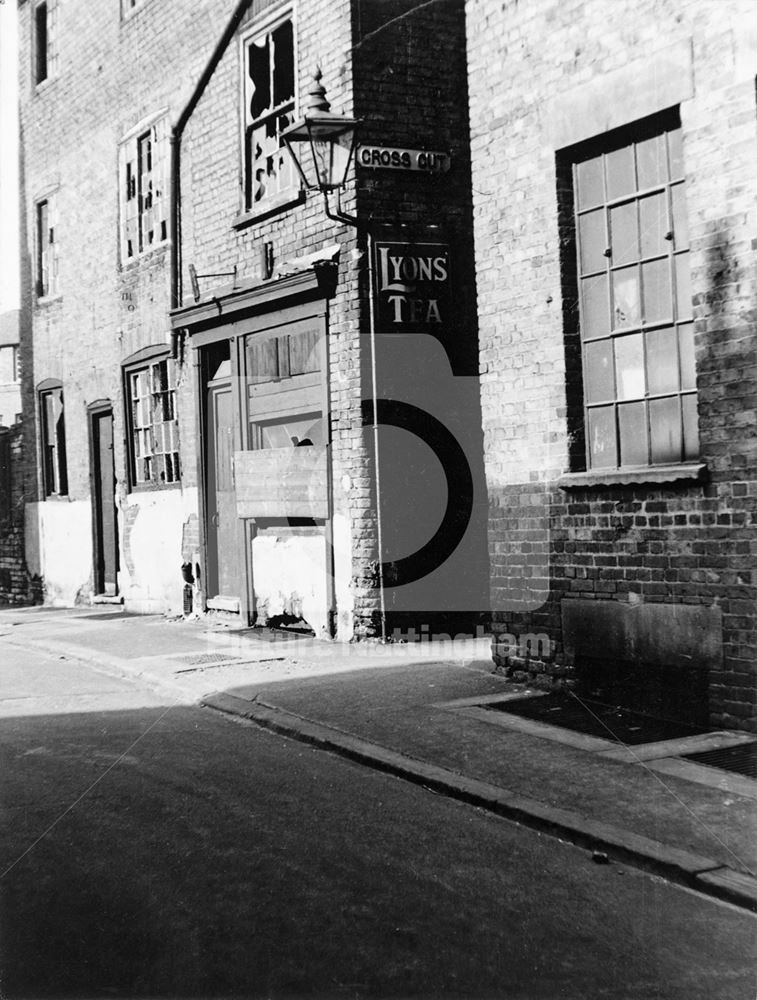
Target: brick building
[
  {"x": 613, "y": 178},
  {"x": 213, "y": 390}
]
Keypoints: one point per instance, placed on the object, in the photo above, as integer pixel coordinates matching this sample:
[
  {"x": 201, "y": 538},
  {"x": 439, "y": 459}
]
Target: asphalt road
[{"x": 152, "y": 850}]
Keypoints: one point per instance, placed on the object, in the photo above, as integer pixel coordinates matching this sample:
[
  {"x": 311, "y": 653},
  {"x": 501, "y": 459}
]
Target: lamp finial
[{"x": 317, "y": 101}]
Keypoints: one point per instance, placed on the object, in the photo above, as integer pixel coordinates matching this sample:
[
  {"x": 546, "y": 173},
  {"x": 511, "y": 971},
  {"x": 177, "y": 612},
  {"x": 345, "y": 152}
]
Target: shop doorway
[{"x": 104, "y": 518}]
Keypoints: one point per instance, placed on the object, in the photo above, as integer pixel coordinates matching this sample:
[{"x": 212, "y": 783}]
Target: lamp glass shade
[{"x": 322, "y": 149}]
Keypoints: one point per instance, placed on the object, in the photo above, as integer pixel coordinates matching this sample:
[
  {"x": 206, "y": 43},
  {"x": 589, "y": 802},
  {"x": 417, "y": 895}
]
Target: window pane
[
  {"x": 665, "y": 429},
  {"x": 657, "y": 299},
  {"x": 599, "y": 374},
  {"x": 592, "y": 240},
  {"x": 262, "y": 360},
  {"x": 690, "y": 428},
  {"x": 594, "y": 315},
  {"x": 620, "y": 173},
  {"x": 303, "y": 353},
  {"x": 650, "y": 162},
  {"x": 683, "y": 286},
  {"x": 632, "y": 425},
  {"x": 625, "y": 293},
  {"x": 7, "y": 367},
  {"x": 283, "y": 64},
  {"x": 624, "y": 233},
  {"x": 590, "y": 185},
  {"x": 680, "y": 218},
  {"x": 260, "y": 77},
  {"x": 629, "y": 366},
  {"x": 653, "y": 217},
  {"x": 662, "y": 361},
  {"x": 602, "y": 447},
  {"x": 676, "y": 155},
  {"x": 688, "y": 363}
]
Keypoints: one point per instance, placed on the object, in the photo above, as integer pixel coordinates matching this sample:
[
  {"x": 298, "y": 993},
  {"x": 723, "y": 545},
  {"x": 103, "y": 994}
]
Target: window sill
[
  {"x": 271, "y": 206},
  {"x": 144, "y": 256},
  {"x": 633, "y": 476},
  {"x": 141, "y": 488},
  {"x": 56, "y": 498},
  {"x": 47, "y": 300},
  {"x": 42, "y": 86}
]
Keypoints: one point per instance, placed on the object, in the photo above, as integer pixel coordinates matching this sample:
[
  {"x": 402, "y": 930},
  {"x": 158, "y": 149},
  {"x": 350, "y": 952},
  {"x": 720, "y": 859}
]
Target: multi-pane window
[
  {"x": 45, "y": 247},
  {"x": 144, "y": 183},
  {"x": 269, "y": 107},
  {"x": 153, "y": 429},
  {"x": 53, "y": 428},
  {"x": 637, "y": 333}
]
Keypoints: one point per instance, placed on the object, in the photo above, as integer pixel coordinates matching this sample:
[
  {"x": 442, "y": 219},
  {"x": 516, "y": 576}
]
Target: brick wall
[
  {"x": 538, "y": 73},
  {"x": 16, "y": 584}
]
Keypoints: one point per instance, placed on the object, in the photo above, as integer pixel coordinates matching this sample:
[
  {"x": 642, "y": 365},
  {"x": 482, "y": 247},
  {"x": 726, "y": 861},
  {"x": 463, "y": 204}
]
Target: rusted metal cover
[{"x": 282, "y": 482}]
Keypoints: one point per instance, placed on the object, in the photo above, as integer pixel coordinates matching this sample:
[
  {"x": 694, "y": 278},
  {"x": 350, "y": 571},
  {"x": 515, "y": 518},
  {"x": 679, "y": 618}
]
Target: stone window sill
[
  {"x": 633, "y": 476},
  {"x": 271, "y": 206}
]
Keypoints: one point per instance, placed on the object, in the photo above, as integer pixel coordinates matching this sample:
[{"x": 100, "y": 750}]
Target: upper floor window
[
  {"x": 270, "y": 177},
  {"x": 46, "y": 252},
  {"x": 9, "y": 372},
  {"x": 43, "y": 40},
  {"x": 143, "y": 175},
  {"x": 635, "y": 308},
  {"x": 153, "y": 438},
  {"x": 53, "y": 434}
]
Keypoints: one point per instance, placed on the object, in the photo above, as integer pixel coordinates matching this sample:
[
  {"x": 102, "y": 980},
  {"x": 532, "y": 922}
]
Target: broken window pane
[
  {"x": 592, "y": 241},
  {"x": 625, "y": 288},
  {"x": 601, "y": 437}
]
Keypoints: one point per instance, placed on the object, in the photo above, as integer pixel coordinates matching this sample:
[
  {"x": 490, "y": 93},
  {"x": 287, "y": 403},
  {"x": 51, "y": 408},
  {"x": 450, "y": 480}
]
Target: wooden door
[
  {"x": 222, "y": 525},
  {"x": 104, "y": 504}
]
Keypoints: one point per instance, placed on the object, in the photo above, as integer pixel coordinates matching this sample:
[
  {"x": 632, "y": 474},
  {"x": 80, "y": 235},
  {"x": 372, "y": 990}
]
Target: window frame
[
  {"x": 46, "y": 260},
  {"x": 293, "y": 194},
  {"x": 15, "y": 370},
  {"x": 131, "y": 178},
  {"x": 53, "y": 457},
  {"x": 610, "y": 337},
  {"x": 50, "y": 49},
  {"x": 147, "y": 360}
]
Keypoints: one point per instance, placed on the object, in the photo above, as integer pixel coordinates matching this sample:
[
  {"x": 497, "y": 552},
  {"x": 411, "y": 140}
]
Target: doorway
[{"x": 104, "y": 518}]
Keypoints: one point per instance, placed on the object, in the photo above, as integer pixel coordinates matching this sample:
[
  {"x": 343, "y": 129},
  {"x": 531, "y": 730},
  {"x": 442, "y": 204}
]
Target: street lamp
[{"x": 322, "y": 145}]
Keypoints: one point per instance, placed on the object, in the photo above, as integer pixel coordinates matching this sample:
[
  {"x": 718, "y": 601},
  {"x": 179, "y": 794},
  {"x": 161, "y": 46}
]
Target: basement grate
[
  {"x": 593, "y": 718},
  {"x": 204, "y": 659},
  {"x": 741, "y": 759}
]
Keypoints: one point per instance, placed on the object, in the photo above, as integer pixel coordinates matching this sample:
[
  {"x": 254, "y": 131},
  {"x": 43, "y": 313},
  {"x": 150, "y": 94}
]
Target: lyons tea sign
[{"x": 412, "y": 287}]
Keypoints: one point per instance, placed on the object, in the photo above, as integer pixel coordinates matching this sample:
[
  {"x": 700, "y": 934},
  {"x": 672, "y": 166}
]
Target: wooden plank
[{"x": 282, "y": 482}]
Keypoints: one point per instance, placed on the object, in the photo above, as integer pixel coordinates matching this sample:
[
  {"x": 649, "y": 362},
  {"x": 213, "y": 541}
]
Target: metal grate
[
  {"x": 204, "y": 659},
  {"x": 593, "y": 718},
  {"x": 741, "y": 759}
]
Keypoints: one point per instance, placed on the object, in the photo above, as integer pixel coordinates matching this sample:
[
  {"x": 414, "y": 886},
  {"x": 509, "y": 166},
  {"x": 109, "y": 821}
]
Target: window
[
  {"x": 269, "y": 107},
  {"x": 636, "y": 329},
  {"x": 143, "y": 171},
  {"x": 9, "y": 364},
  {"x": 127, "y": 6},
  {"x": 285, "y": 388},
  {"x": 52, "y": 423},
  {"x": 151, "y": 417},
  {"x": 43, "y": 32},
  {"x": 46, "y": 250}
]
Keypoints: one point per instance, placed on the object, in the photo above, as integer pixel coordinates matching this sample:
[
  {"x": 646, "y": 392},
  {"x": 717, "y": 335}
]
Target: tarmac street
[{"x": 151, "y": 847}]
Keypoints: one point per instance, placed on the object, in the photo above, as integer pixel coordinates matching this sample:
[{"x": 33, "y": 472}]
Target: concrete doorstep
[{"x": 682, "y": 867}]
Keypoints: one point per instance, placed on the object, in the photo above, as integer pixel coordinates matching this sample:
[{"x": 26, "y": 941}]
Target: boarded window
[
  {"x": 635, "y": 301},
  {"x": 269, "y": 105},
  {"x": 153, "y": 427}
]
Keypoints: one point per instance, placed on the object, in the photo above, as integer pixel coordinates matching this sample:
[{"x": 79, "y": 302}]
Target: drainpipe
[{"x": 175, "y": 146}]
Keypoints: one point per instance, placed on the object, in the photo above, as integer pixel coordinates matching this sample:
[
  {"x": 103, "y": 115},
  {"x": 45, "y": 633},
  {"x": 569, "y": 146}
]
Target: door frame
[{"x": 95, "y": 411}]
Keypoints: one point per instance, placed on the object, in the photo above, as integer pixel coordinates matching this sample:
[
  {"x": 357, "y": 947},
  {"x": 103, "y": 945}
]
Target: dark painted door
[
  {"x": 104, "y": 506},
  {"x": 222, "y": 524}
]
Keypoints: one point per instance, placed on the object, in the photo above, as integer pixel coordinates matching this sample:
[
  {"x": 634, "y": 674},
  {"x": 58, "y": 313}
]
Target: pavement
[{"x": 418, "y": 711}]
